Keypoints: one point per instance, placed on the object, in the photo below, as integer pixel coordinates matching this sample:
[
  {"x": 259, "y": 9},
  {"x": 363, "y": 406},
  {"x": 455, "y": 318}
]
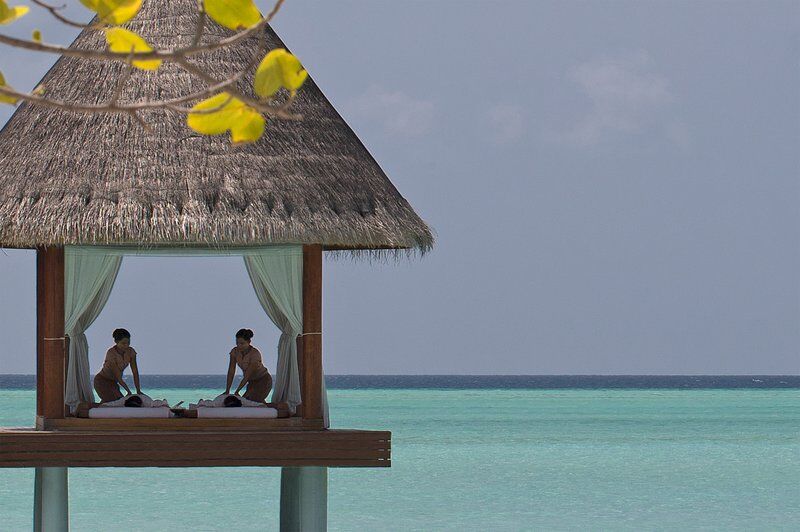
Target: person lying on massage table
[
  {"x": 229, "y": 401},
  {"x": 118, "y": 357},
  {"x": 255, "y": 375},
  {"x": 225, "y": 402},
  {"x": 137, "y": 401},
  {"x": 131, "y": 401}
]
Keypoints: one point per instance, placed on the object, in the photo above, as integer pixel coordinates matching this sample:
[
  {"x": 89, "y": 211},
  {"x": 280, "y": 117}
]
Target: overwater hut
[{"x": 86, "y": 190}]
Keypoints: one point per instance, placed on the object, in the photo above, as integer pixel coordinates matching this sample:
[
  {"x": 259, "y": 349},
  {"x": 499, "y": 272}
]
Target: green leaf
[
  {"x": 233, "y": 14},
  {"x": 114, "y": 11},
  {"x": 278, "y": 69},
  {"x": 10, "y": 14},
  {"x": 223, "y": 113},
  {"x": 37, "y": 36},
  {"x": 123, "y": 41},
  {"x": 4, "y": 98}
]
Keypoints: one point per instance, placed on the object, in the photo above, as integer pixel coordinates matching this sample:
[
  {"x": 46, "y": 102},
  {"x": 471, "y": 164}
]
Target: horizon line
[{"x": 476, "y": 374}]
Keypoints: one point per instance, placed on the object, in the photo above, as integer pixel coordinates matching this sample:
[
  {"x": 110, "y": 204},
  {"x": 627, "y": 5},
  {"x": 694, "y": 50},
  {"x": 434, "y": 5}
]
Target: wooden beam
[
  {"x": 311, "y": 381},
  {"x": 50, "y": 344},
  {"x": 149, "y": 448}
]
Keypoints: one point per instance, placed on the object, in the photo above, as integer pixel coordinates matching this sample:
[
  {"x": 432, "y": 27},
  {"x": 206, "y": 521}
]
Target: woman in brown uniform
[
  {"x": 255, "y": 375},
  {"x": 119, "y": 357}
]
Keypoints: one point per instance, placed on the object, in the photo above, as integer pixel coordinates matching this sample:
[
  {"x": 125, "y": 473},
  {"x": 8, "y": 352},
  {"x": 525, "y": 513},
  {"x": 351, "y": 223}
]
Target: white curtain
[
  {"x": 278, "y": 282},
  {"x": 88, "y": 279}
]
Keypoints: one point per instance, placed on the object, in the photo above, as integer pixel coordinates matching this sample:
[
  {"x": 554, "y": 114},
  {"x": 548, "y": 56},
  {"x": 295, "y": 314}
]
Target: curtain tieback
[
  {"x": 309, "y": 333},
  {"x": 60, "y": 338}
]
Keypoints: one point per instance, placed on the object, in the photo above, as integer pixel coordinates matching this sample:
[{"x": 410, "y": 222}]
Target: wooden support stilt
[
  {"x": 304, "y": 499},
  {"x": 51, "y": 500},
  {"x": 50, "y": 342},
  {"x": 311, "y": 364}
]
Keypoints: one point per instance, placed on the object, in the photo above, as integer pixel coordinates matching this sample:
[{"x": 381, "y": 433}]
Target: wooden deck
[{"x": 27, "y": 447}]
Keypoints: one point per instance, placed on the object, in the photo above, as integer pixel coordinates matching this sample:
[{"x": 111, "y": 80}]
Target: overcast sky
[{"x": 614, "y": 186}]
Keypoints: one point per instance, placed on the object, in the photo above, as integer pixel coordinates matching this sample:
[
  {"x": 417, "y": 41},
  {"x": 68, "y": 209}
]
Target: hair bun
[
  {"x": 120, "y": 334},
  {"x": 247, "y": 334}
]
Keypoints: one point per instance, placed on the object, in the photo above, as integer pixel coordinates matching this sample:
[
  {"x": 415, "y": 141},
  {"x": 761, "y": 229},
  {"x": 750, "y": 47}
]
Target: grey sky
[{"x": 614, "y": 186}]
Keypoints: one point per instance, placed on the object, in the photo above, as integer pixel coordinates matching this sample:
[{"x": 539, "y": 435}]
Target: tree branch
[
  {"x": 113, "y": 107},
  {"x": 164, "y": 55},
  {"x": 54, "y": 10},
  {"x": 135, "y": 115},
  {"x": 121, "y": 82},
  {"x": 278, "y": 111},
  {"x": 201, "y": 23},
  {"x": 180, "y": 56}
]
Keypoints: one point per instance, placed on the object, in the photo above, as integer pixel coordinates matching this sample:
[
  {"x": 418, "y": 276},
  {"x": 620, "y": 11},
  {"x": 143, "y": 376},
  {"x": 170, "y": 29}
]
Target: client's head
[
  {"x": 243, "y": 337},
  {"x": 122, "y": 337},
  {"x": 134, "y": 401},
  {"x": 231, "y": 402}
]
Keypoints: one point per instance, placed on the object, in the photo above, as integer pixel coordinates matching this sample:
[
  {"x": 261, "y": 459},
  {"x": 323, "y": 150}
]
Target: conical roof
[{"x": 69, "y": 178}]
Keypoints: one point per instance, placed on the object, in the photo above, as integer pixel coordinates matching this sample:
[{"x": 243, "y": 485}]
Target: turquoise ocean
[{"x": 483, "y": 454}]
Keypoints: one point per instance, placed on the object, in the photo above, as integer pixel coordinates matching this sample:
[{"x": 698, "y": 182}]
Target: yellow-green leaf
[
  {"x": 123, "y": 41},
  {"x": 10, "y": 14},
  {"x": 210, "y": 122},
  {"x": 114, "y": 11},
  {"x": 222, "y": 113},
  {"x": 233, "y": 14},
  {"x": 278, "y": 69},
  {"x": 5, "y": 98},
  {"x": 37, "y": 36}
]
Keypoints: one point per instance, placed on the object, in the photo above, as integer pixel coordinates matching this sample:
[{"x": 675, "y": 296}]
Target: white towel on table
[
  {"x": 118, "y": 412},
  {"x": 221, "y": 413}
]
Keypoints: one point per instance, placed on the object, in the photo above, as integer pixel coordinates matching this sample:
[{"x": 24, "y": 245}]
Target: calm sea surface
[{"x": 478, "y": 453}]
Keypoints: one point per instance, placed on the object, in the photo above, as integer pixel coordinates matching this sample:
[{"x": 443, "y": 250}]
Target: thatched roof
[{"x": 102, "y": 179}]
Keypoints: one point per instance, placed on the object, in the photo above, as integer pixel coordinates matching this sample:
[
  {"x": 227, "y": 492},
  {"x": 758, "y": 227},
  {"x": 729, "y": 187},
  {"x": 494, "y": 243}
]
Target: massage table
[
  {"x": 94, "y": 411},
  {"x": 274, "y": 410}
]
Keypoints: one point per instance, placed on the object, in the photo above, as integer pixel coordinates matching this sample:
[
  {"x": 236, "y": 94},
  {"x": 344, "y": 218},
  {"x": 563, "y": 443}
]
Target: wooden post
[
  {"x": 311, "y": 376},
  {"x": 50, "y": 343},
  {"x": 299, "y": 410}
]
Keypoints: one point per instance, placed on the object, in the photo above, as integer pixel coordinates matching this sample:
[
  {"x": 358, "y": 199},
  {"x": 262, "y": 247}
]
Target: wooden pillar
[
  {"x": 311, "y": 363},
  {"x": 50, "y": 343}
]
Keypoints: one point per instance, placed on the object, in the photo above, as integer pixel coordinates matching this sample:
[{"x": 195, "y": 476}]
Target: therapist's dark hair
[
  {"x": 231, "y": 402},
  {"x": 134, "y": 401},
  {"x": 247, "y": 334},
  {"x": 121, "y": 334}
]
